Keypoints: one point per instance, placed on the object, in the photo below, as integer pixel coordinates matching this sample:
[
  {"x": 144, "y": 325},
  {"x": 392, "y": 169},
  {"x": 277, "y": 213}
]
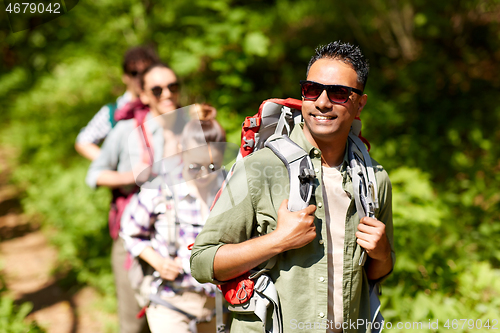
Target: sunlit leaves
[{"x": 414, "y": 199}]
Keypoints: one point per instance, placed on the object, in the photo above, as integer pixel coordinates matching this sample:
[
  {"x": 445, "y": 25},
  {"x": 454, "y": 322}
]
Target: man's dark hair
[
  {"x": 139, "y": 54},
  {"x": 346, "y": 53}
]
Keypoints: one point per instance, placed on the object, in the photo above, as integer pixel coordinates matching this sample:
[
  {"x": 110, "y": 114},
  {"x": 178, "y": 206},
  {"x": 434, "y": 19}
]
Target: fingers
[
  {"x": 378, "y": 231},
  {"x": 376, "y": 250},
  {"x": 371, "y": 236},
  {"x": 309, "y": 210},
  {"x": 178, "y": 261},
  {"x": 295, "y": 229},
  {"x": 170, "y": 270},
  {"x": 368, "y": 246},
  {"x": 371, "y": 226},
  {"x": 370, "y": 233},
  {"x": 370, "y": 221},
  {"x": 172, "y": 265}
]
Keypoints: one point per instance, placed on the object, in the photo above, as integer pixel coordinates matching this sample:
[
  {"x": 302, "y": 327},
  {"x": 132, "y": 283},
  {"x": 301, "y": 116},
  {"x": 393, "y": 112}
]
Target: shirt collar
[{"x": 299, "y": 138}]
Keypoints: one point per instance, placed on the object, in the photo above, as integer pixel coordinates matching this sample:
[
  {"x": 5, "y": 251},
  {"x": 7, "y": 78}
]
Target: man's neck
[
  {"x": 332, "y": 150},
  {"x": 332, "y": 155}
]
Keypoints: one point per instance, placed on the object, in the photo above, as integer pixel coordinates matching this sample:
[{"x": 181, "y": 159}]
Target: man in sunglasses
[
  {"x": 135, "y": 61},
  {"x": 320, "y": 284}
]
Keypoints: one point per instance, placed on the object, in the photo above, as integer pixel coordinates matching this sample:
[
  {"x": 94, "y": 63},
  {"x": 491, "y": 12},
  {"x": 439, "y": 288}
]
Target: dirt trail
[{"x": 27, "y": 260}]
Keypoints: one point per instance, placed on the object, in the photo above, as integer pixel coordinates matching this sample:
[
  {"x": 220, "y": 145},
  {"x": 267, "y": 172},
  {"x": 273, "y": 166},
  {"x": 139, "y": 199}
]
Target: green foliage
[
  {"x": 79, "y": 216},
  {"x": 414, "y": 200},
  {"x": 12, "y": 317},
  {"x": 44, "y": 123},
  {"x": 436, "y": 276},
  {"x": 476, "y": 298},
  {"x": 432, "y": 119}
]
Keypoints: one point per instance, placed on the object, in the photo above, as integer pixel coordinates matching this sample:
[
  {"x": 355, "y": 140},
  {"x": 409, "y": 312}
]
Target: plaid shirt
[{"x": 145, "y": 222}]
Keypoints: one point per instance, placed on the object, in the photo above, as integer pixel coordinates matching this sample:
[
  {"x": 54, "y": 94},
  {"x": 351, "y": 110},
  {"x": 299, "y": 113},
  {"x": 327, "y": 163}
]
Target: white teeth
[{"x": 323, "y": 118}]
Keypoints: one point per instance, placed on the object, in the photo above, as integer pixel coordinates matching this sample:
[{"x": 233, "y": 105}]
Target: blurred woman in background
[{"x": 159, "y": 225}]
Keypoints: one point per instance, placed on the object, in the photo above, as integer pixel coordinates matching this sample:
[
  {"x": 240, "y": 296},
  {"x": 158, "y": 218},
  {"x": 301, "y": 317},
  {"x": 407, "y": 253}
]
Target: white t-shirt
[{"x": 336, "y": 205}]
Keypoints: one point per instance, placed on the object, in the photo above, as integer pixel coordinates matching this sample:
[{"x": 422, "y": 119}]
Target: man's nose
[{"x": 323, "y": 102}]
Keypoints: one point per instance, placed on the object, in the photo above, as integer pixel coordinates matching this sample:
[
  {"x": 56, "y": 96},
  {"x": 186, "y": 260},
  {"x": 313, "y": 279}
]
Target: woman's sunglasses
[
  {"x": 195, "y": 169},
  {"x": 173, "y": 87},
  {"x": 336, "y": 93}
]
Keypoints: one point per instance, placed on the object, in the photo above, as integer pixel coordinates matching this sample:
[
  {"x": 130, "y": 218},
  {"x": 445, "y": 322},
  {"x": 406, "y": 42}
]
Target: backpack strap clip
[
  {"x": 251, "y": 122},
  {"x": 248, "y": 142},
  {"x": 306, "y": 175}
]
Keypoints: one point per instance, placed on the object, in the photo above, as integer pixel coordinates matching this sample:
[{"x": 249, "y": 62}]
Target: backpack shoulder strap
[
  {"x": 300, "y": 170},
  {"x": 365, "y": 197},
  {"x": 364, "y": 183},
  {"x": 112, "y": 108},
  {"x": 301, "y": 174},
  {"x": 363, "y": 175}
]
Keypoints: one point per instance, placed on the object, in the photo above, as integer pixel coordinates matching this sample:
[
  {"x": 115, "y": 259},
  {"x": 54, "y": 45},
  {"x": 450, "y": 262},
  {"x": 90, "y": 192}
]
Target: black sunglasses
[
  {"x": 336, "y": 93},
  {"x": 173, "y": 87}
]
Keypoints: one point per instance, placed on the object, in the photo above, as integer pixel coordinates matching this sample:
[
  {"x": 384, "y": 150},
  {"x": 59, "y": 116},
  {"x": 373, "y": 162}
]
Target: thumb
[
  {"x": 284, "y": 205},
  {"x": 309, "y": 210}
]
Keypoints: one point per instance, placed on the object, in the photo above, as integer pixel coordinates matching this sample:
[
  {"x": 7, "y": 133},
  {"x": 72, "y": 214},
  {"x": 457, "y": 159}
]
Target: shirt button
[
  {"x": 321, "y": 279},
  {"x": 321, "y": 314},
  {"x": 316, "y": 170},
  {"x": 320, "y": 205},
  {"x": 316, "y": 152},
  {"x": 321, "y": 241}
]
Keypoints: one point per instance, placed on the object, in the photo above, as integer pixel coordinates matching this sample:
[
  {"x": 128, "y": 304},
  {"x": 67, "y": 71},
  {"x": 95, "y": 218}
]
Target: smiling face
[
  {"x": 327, "y": 122},
  {"x": 168, "y": 101}
]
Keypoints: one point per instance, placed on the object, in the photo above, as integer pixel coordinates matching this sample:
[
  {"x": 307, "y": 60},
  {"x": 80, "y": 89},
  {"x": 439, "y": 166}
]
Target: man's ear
[
  {"x": 144, "y": 98},
  {"x": 361, "y": 104}
]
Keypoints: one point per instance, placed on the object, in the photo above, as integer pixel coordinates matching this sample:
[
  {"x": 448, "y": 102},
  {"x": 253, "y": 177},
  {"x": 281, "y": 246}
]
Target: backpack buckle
[
  {"x": 251, "y": 122},
  {"x": 248, "y": 142},
  {"x": 307, "y": 174}
]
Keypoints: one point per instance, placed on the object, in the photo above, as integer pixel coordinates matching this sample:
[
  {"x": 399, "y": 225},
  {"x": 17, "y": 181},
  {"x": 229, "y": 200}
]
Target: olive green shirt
[{"x": 248, "y": 207}]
